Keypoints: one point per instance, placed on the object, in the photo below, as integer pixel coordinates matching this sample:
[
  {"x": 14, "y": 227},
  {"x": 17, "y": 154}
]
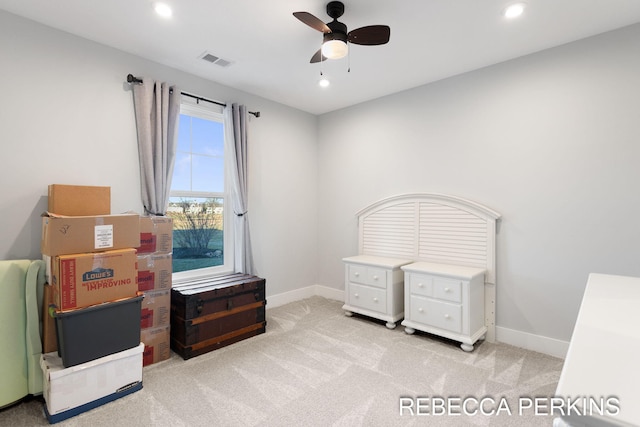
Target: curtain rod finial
[{"x": 132, "y": 79}]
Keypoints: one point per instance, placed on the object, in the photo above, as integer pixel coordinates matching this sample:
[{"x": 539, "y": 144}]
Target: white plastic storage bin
[{"x": 72, "y": 391}]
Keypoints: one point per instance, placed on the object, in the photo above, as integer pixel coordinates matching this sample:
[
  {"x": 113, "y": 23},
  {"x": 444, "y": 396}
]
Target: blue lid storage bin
[{"x": 97, "y": 331}]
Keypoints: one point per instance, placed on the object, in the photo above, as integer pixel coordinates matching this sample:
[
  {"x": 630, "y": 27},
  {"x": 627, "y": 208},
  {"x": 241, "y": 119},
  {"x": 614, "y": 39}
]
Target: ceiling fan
[{"x": 335, "y": 36}]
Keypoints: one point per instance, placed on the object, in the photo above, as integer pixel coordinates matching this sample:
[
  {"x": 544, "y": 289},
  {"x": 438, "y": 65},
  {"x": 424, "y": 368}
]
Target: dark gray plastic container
[{"x": 90, "y": 333}]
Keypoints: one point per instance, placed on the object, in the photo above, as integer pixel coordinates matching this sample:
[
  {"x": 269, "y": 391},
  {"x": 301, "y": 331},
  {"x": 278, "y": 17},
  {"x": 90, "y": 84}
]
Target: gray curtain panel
[
  {"x": 236, "y": 145},
  {"x": 157, "y": 107}
]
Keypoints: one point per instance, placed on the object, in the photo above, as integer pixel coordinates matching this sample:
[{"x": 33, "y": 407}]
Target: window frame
[{"x": 210, "y": 111}]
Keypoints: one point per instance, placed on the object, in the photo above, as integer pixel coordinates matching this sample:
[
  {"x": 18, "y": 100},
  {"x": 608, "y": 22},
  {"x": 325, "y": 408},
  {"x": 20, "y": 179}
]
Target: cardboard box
[
  {"x": 154, "y": 272},
  {"x": 62, "y": 235},
  {"x": 156, "y": 235},
  {"x": 156, "y": 344},
  {"x": 79, "y": 200},
  {"x": 82, "y": 280},
  {"x": 156, "y": 309},
  {"x": 71, "y": 391}
]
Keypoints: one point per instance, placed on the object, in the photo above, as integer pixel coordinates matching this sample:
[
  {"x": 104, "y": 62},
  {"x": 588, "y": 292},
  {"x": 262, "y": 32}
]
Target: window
[{"x": 202, "y": 241}]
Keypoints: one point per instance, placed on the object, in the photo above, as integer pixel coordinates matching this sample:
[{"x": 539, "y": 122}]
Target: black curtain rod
[{"x": 132, "y": 79}]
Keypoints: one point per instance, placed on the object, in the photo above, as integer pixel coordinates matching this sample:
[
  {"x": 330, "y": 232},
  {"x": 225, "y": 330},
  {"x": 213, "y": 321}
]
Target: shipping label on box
[
  {"x": 156, "y": 344},
  {"x": 79, "y": 200},
  {"x": 156, "y": 309},
  {"x": 82, "y": 280},
  {"x": 156, "y": 235},
  {"x": 63, "y": 235},
  {"x": 154, "y": 272}
]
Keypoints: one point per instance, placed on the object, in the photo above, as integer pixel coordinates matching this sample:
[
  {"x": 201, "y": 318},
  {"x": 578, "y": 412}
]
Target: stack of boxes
[
  {"x": 154, "y": 281},
  {"x": 93, "y": 307}
]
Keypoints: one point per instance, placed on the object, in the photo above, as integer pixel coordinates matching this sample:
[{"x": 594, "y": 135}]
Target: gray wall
[
  {"x": 66, "y": 116},
  {"x": 550, "y": 140}
]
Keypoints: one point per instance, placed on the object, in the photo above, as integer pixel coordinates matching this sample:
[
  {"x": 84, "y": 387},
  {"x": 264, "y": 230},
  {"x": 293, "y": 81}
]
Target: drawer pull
[
  {"x": 356, "y": 295},
  {"x": 375, "y": 277},
  {"x": 447, "y": 290},
  {"x": 375, "y": 299},
  {"x": 357, "y": 274},
  {"x": 446, "y": 316},
  {"x": 421, "y": 310},
  {"x": 420, "y": 285}
]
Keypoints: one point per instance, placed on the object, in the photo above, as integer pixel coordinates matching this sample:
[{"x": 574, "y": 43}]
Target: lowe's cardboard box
[
  {"x": 156, "y": 235},
  {"x": 62, "y": 235},
  {"x": 156, "y": 309},
  {"x": 157, "y": 345},
  {"x": 70, "y": 391},
  {"x": 79, "y": 200},
  {"x": 82, "y": 280},
  {"x": 154, "y": 272}
]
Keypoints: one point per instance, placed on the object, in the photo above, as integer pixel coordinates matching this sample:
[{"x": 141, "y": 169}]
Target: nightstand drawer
[
  {"x": 368, "y": 275},
  {"x": 421, "y": 284},
  {"x": 368, "y": 297},
  {"x": 447, "y": 289},
  {"x": 438, "y": 314}
]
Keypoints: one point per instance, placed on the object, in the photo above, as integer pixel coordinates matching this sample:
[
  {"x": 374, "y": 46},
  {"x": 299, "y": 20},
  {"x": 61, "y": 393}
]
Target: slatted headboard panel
[{"x": 431, "y": 227}]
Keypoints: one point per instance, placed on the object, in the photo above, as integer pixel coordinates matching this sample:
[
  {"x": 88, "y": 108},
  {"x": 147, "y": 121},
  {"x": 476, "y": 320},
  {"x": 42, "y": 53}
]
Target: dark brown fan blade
[
  {"x": 312, "y": 21},
  {"x": 318, "y": 56},
  {"x": 370, "y": 35}
]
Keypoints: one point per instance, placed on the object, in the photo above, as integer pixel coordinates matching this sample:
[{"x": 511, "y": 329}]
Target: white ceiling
[{"x": 270, "y": 49}]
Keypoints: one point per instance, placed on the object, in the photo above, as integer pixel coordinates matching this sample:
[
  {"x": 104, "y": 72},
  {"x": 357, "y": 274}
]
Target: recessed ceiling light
[
  {"x": 163, "y": 10},
  {"x": 324, "y": 82},
  {"x": 514, "y": 10}
]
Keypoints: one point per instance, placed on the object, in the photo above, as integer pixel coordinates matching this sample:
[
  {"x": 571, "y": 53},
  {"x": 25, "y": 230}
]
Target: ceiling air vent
[
  {"x": 222, "y": 62},
  {"x": 215, "y": 60}
]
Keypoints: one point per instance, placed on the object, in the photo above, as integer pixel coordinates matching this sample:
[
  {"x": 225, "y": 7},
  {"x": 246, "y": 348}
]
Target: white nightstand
[
  {"x": 374, "y": 287},
  {"x": 445, "y": 300}
]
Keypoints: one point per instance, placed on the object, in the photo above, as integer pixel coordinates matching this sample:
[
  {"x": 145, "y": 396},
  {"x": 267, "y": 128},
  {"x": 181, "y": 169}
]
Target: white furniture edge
[
  {"x": 459, "y": 203},
  {"x": 602, "y": 357}
]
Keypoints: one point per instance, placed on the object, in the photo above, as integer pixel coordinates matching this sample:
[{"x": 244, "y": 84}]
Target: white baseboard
[
  {"x": 550, "y": 346},
  {"x": 546, "y": 345},
  {"x": 302, "y": 293},
  {"x": 329, "y": 293}
]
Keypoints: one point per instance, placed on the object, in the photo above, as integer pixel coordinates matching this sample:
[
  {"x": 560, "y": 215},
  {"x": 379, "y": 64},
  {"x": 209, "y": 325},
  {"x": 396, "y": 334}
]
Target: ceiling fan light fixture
[
  {"x": 335, "y": 49},
  {"x": 336, "y": 36}
]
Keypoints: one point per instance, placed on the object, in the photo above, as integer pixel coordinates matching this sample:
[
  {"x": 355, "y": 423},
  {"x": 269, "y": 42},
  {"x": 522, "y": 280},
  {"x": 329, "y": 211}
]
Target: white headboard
[{"x": 431, "y": 227}]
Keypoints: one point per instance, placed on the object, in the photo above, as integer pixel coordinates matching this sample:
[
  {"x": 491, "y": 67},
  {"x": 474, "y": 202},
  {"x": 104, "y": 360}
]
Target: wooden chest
[{"x": 213, "y": 313}]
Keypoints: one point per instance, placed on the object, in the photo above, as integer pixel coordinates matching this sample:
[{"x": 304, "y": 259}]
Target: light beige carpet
[{"x": 316, "y": 367}]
